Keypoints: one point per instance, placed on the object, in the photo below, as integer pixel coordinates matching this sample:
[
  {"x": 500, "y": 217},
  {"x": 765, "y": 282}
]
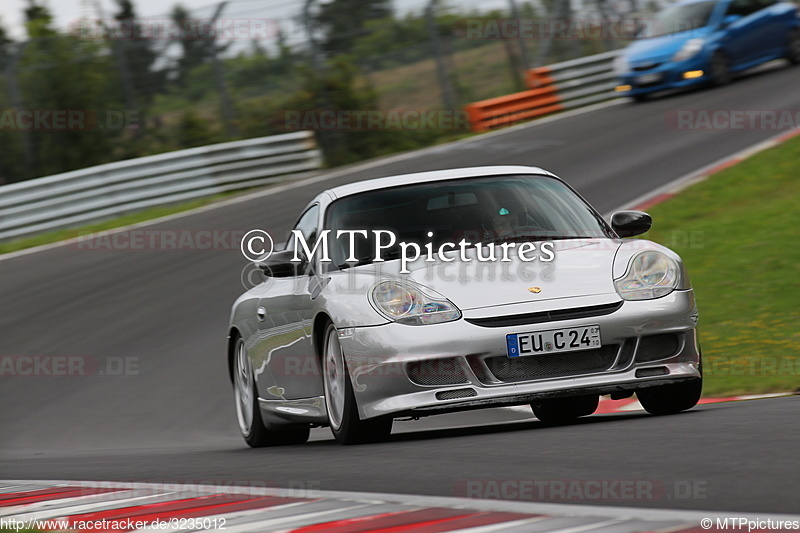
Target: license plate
[
  {"x": 553, "y": 341},
  {"x": 648, "y": 78}
]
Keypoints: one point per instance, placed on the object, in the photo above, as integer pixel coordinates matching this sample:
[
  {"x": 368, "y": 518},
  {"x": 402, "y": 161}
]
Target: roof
[{"x": 435, "y": 175}]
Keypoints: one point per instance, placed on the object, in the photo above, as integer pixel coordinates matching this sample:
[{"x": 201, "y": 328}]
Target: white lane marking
[
  {"x": 589, "y": 527},
  {"x": 57, "y": 508},
  {"x": 687, "y": 180},
  {"x": 633, "y": 406},
  {"x": 237, "y": 518},
  {"x": 500, "y": 526},
  {"x": 763, "y": 396},
  {"x": 263, "y": 525}
]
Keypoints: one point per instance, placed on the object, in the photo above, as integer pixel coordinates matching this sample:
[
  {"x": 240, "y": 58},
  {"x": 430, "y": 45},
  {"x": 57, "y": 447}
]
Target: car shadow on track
[{"x": 402, "y": 434}]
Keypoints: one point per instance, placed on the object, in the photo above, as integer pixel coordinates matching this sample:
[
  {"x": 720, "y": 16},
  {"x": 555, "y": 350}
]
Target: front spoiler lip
[
  {"x": 423, "y": 403},
  {"x": 524, "y": 399}
]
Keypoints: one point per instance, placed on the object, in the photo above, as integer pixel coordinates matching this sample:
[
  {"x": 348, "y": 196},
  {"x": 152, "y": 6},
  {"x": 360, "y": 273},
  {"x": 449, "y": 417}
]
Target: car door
[
  {"x": 284, "y": 362},
  {"x": 774, "y": 20},
  {"x": 767, "y": 25},
  {"x": 747, "y": 38}
]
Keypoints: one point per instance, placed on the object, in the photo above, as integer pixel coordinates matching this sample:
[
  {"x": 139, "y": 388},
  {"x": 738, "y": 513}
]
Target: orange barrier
[
  {"x": 538, "y": 77},
  {"x": 566, "y": 85},
  {"x": 506, "y": 110}
]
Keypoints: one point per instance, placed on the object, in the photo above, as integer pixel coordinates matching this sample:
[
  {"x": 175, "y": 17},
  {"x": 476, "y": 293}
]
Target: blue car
[{"x": 697, "y": 42}]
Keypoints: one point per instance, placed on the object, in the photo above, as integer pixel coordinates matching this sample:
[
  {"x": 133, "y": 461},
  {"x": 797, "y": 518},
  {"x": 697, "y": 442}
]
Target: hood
[
  {"x": 660, "y": 49},
  {"x": 580, "y": 268}
]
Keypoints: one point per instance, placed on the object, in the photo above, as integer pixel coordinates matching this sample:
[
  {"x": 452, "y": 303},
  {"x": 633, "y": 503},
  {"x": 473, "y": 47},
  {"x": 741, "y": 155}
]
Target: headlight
[
  {"x": 620, "y": 65},
  {"x": 690, "y": 48},
  {"x": 406, "y": 303},
  {"x": 650, "y": 275}
]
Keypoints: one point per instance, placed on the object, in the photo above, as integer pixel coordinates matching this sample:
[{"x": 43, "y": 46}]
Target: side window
[
  {"x": 744, "y": 7},
  {"x": 307, "y": 226}
]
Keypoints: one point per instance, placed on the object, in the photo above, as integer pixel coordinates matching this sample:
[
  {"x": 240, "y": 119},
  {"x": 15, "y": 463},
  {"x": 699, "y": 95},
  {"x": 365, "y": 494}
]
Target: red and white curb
[
  {"x": 109, "y": 506},
  {"x": 674, "y": 187}
]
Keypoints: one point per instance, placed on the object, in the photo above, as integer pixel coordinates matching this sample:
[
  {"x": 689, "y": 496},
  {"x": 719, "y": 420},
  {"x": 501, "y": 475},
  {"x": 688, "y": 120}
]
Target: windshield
[
  {"x": 676, "y": 19},
  {"x": 477, "y": 210}
]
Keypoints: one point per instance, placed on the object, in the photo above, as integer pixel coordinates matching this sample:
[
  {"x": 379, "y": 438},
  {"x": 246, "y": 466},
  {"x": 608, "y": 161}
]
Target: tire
[
  {"x": 793, "y": 51},
  {"x": 340, "y": 400},
  {"x": 639, "y": 98},
  {"x": 720, "y": 70},
  {"x": 564, "y": 410},
  {"x": 248, "y": 415},
  {"x": 670, "y": 399}
]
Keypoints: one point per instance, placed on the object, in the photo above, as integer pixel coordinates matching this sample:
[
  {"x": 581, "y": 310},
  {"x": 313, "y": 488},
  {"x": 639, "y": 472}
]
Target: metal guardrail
[
  {"x": 566, "y": 85},
  {"x": 96, "y": 193}
]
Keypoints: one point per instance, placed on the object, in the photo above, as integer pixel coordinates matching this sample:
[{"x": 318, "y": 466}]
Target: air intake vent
[
  {"x": 655, "y": 347},
  {"x": 446, "y": 371},
  {"x": 650, "y": 372},
  {"x": 457, "y": 393},
  {"x": 626, "y": 355},
  {"x": 479, "y": 369},
  {"x": 545, "y": 316},
  {"x": 552, "y": 365}
]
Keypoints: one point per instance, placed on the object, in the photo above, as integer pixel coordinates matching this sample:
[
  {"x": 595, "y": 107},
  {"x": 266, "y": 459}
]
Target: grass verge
[{"x": 737, "y": 234}]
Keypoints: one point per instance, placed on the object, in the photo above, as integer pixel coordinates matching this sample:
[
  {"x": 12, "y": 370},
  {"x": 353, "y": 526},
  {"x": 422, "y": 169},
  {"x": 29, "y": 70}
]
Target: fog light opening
[{"x": 692, "y": 74}]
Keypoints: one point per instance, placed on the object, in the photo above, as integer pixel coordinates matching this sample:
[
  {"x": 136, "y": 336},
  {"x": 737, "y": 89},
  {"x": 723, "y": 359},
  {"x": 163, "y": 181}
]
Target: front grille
[
  {"x": 645, "y": 66},
  {"x": 445, "y": 371},
  {"x": 626, "y": 355},
  {"x": 478, "y": 368},
  {"x": 552, "y": 365},
  {"x": 456, "y": 393},
  {"x": 545, "y": 316},
  {"x": 655, "y": 347},
  {"x": 649, "y": 84},
  {"x": 650, "y": 372}
]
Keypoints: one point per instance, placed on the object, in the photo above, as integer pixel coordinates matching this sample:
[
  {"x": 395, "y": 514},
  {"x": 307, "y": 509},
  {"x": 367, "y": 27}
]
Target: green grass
[
  {"x": 737, "y": 233},
  {"x": 125, "y": 220}
]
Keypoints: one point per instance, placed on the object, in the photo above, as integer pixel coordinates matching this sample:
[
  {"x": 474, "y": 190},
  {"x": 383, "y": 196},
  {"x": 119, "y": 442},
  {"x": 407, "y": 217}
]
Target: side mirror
[
  {"x": 728, "y": 20},
  {"x": 631, "y": 223},
  {"x": 281, "y": 265}
]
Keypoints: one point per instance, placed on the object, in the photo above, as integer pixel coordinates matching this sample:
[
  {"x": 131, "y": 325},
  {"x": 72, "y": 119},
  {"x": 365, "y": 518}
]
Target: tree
[
  {"x": 139, "y": 57},
  {"x": 343, "y": 21},
  {"x": 197, "y": 46},
  {"x": 5, "y": 48},
  {"x": 60, "y": 74}
]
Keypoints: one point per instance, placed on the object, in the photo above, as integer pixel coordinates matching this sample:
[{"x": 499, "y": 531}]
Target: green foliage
[
  {"x": 135, "y": 53},
  {"x": 375, "y": 60},
  {"x": 735, "y": 232},
  {"x": 78, "y": 79},
  {"x": 196, "y": 48},
  {"x": 343, "y": 21},
  {"x": 193, "y": 131},
  {"x": 341, "y": 89}
]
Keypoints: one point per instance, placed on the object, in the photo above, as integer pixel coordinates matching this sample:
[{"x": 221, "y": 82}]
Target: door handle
[{"x": 262, "y": 313}]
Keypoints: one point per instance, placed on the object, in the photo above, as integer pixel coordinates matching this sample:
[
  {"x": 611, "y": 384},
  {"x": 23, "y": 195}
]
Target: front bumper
[
  {"x": 667, "y": 75},
  {"x": 419, "y": 370}
]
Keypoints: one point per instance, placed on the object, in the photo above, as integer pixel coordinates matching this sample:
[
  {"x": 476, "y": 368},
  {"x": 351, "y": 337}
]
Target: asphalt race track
[{"x": 170, "y": 415}]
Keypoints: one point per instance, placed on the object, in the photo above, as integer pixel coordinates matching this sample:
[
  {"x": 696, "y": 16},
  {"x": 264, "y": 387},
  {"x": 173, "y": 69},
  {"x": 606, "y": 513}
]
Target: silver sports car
[{"x": 444, "y": 291}]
